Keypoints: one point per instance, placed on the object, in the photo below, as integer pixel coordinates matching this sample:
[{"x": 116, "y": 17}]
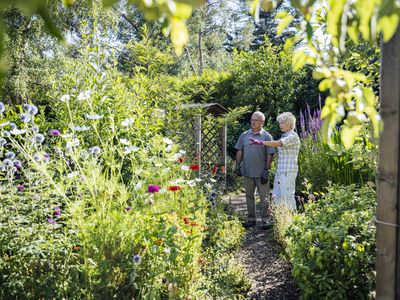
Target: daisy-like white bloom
[
  {"x": 138, "y": 185},
  {"x": 129, "y": 149},
  {"x": 124, "y": 142},
  {"x": 183, "y": 152},
  {"x": 39, "y": 138},
  {"x": 10, "y": 155},
  {"x": 81, "y": 128},
  {"x": 93, "y": 117},
  {"x": 191, "y": 183},
  {"x": 168, "y": 148},
  {"x": 72, "y": 175},
  {"x": 65, "y": 98},
  {"x": 158, "y": 165},
  {"x": 17, "y": 131},
  {"x": 25, "y": 118},
  {"x": 84, "y": 95},
  {"x": 185, "y": 168},
  {"x": 127, "y": 122},
  {"x": 167, "y": 141},
  {"x": 94, "y": 150}
]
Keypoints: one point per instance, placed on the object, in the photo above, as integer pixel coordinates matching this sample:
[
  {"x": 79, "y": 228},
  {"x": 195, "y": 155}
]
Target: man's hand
[
  {"x": 255, "y": 142},
  {"x": 238, "y": 170},
  {"x": 264, "y": 177}
]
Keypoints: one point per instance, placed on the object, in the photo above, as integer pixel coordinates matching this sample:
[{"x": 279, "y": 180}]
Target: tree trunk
[
  {"x": 200, "y": 53},
  {"x": 388, "y": 234}
]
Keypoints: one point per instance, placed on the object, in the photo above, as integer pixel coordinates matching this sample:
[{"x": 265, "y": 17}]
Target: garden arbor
[{"x": 207, "y": 137}]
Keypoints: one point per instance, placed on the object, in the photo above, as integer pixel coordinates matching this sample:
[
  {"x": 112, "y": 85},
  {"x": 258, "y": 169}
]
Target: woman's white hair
[{"x": 288, "y": 118}]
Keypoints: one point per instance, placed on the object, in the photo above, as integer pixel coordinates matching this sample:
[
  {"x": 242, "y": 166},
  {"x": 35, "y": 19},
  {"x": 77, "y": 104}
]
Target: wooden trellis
[{"x": 206, "y": 140}]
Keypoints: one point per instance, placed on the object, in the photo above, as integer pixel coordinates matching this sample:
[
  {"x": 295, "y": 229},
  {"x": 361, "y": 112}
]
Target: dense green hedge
[{"x": 332, "y": 245}]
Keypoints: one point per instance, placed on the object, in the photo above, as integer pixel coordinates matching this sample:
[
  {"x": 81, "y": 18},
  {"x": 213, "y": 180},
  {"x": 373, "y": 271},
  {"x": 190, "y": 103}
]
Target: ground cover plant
[{"x": 332, "y": 245}]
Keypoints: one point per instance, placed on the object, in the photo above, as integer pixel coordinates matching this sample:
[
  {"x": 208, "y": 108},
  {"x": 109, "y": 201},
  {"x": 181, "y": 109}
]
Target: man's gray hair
[
  {"x": 259, "y": 113},
  {"x": 288, "y": 118}
]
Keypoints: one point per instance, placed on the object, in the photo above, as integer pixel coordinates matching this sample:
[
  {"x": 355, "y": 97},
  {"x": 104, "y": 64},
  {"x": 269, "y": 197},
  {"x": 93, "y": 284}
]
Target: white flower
[
  {"x": 127, "y": 122},
  {"x": 138, "y": 185},
  {"x": 93, "y": 117},
  {"x": 84, "y": 95},
  {"x": 198, "y": 179},
  {"x": 18, "y": 131},
  {"x": 191, "y": 183},
  {"x": 182, "y": 152},
  {"x": 129, "y": 149},
  {"x": 72, "y": 174},
  {"x": 158, "y": 165},
  {"x": 185, "y": 168},
  {"x": 124, "y": 142},
  {"x": 167, "y": 141},
  {"x": 160, "y": 113},
  {"x": 2, "y": 107},
  {"x": 4, "y": 123},
  {"x": 25, "y": 118},
  {"x": 94, "y": 150},
  {"x": 39, "y": 138},
  {"x": 168, "y": 148},
  {"x": 66, "y": 136},
  {"x": 65, "y": 98},
  {"x": 213, "y": 180},
  {"x": 81, "y": 128}
]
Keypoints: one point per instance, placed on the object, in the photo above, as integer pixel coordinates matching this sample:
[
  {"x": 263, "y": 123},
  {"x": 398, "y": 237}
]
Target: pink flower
[
  {"x": 54, "y": 132},
  {"x": 153, "y": 188},
  {"x": 21, "y": 188}
]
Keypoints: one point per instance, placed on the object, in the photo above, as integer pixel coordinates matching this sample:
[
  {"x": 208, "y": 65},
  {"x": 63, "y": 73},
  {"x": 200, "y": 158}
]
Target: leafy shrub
[{"x": 332, "y": 245}]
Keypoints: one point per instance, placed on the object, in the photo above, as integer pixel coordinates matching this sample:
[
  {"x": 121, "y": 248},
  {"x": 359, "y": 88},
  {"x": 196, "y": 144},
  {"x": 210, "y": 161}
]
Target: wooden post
[
  {"x": 388, "y": 234},
  {"x": 197, "y": 140}
]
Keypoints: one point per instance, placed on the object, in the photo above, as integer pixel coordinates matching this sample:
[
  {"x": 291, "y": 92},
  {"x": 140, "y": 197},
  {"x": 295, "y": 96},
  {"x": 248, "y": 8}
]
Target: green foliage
[
  {"x": 320, "y": 164},
  {"x": 265, "y": 81},
  {"x": 332, "y": 245}
]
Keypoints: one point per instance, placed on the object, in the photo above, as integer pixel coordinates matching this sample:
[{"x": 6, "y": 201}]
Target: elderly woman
[{"x": 287, "y": 167}]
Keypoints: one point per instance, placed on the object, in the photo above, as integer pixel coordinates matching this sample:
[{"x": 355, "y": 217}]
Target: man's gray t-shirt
[{"x": 254, "y": 156}]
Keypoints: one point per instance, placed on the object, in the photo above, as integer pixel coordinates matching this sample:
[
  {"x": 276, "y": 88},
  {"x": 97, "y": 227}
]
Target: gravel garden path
[{"x": 261, "y": 255}]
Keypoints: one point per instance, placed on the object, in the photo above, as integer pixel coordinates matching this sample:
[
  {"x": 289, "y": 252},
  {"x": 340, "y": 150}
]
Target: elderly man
[
  {"x": 256, "y": 163},
  {"x": 287, "y": 166}
]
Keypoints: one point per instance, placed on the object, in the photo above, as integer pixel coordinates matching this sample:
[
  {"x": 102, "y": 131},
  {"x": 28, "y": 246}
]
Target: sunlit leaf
[
  {"x": 349, "y": 134},
  {"x": 183, "y": 10},
  {"x": 388, "y": 25},
  {"x": 255, "y": 9},
  {"x": 285, "y": 21},
  {"x": 301, "y": 58}
]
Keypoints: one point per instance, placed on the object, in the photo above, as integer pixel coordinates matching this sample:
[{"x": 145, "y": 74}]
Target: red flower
[
  {"x": 174, "y": 188},
  {"x": 223, "y": 170},
  {"x": 214, "y": 169},
  {"x": 194, "y": 167},
  {"x": 76, "y": 248}
]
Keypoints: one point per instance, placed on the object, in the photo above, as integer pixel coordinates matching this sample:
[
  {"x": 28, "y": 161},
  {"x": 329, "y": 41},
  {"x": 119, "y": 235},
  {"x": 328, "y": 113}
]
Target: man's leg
[
  {"x": 250, "y": 188},
  {"x": 263, "y": 190}
]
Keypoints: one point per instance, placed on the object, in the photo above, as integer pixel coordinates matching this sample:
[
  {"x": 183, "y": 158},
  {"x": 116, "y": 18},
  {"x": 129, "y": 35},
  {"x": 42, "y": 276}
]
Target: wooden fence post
[{"x": 388, "y": 233}]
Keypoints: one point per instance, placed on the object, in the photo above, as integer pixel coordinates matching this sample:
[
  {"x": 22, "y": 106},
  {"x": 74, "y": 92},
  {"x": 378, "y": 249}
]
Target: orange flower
[
  {"x": 76, "y": 248},
  {"x": 195, "y": 167},
  {"x": 186, "y": 220},
  {"x": 223, "y": 170},
  {"x": 181, "y": 159},
  {"x": 174, "y": 188}
]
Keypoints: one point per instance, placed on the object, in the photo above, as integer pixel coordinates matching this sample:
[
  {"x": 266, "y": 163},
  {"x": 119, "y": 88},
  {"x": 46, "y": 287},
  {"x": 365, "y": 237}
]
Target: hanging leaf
[{"x": 286, "y": 19}]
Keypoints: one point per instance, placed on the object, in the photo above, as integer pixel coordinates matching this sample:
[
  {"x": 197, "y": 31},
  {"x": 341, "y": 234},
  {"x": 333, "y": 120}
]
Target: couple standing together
[{"x": 255, "y": 148}]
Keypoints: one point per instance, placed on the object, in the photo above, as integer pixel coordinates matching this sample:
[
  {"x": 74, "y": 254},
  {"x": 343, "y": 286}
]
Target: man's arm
[
  {"x": 239, "y": 156},
  {"x": 274, "y": 144}
]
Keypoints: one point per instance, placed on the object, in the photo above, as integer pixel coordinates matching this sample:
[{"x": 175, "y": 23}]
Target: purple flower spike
[
  {"x": 57, "y": 214},
  {"x": 153, "y": 188},
  {"x": 52, "y": 221},
  {"x": 54, "y": 132},
  {"x": 21, "y": 188}
]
